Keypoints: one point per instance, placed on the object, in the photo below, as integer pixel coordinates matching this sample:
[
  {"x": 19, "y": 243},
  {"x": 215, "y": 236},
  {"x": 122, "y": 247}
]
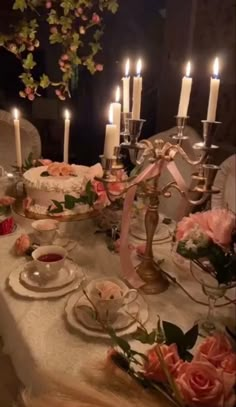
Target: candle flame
[
  {"x": 110, "y": 115},
  {"x": 16, "y": 114},
  {"x": 127, "y": 67},
  {"x": 67, "y": 114},
  {"x": 139, "y": 67},
  {"x": 118, "y": 94},
  {"x": 216, "y": 67},
  {"x": 188, "y": 69}
]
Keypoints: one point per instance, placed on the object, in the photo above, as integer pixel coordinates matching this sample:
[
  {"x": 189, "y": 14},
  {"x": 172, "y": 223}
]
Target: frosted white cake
[{"x": 41, "y": 189}]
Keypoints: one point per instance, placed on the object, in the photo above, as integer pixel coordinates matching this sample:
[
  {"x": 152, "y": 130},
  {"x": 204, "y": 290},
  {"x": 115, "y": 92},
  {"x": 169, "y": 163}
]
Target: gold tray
[{"x": 18, "y": 209}]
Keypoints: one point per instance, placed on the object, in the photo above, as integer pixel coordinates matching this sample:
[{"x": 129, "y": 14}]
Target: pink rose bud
[
  {"x": 95, "y": 18},
  {"x": 22, "y": 244},
  {"x": 48, "y": 4},
  {"x": 31, "y": 97},
  {"x": 99, "y": 67}
]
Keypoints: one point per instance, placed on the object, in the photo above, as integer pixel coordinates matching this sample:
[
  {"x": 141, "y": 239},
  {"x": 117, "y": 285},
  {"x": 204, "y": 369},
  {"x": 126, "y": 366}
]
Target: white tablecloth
[{"x": 35, "y": 333}]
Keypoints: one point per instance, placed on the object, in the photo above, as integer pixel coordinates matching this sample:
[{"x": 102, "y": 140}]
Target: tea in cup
[
  {"x": 109, "y": 296},
  {"x": 49, "y": 260},
  {"x": 45, "y": 230}
]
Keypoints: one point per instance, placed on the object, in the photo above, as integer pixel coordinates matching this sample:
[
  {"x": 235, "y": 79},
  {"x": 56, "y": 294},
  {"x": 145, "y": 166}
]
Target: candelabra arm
[
  {"x": 166, "y": 188},
  {"x": 171, "y": 150}
]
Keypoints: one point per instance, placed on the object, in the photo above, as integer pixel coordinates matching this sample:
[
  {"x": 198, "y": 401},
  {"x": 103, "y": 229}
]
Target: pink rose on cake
[
  {"x": 7, "y": 200},
  {"x": 22, "y": 244},
  {"x": 60, "y": 169}
]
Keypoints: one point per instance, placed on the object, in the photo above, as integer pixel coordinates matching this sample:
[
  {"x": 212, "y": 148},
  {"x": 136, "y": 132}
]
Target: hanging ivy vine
[{"x": 77, "y": 25}]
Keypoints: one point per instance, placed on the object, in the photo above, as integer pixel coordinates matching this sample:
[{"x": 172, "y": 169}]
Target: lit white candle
[
  {"x": 126, "y": 86},
  {"x": 137, "y": 92},
  {"x": 214, "y": 92},
  {"x": 17, "y": 138},
  {"x": 185, "y": 92},
  {"x": 116, "y": 113},
  {"x": 66, "y": 137},
  {"x": 110, "y": 137}
]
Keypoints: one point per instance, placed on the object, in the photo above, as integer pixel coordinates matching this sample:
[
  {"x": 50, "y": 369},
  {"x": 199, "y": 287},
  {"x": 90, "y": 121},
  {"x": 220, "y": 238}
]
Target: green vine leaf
[
  {"x": 20, "y": 5},
  {"x": 28, "y": 62},
  {"x": 44, "y": 81}
]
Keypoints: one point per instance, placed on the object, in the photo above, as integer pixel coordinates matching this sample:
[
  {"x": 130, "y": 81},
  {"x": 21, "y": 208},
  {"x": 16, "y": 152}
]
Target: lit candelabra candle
[
  {"x": 214, "y": 92},
  {"x": 126, "y": 88},
  {"x": 66, "y": 136},
  {"x": 116, "y": 113},
  {"x": 110, "y": 137},
  {"x": 137, "y": 92},
  {"x": 185, "y": 92},
  {"x": 17, "y": 138}
]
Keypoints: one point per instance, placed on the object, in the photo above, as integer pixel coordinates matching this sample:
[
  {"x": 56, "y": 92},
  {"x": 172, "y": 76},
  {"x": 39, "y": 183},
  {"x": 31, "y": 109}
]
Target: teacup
[
  {"x": 109, "y": 296},
  {"x": 49, "y": 260},
  {"x": 45, "y": 230}
]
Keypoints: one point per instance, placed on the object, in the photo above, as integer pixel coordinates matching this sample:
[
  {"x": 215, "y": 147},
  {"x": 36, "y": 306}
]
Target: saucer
[
  {"x": 87, "y": 316},
  {"x": 31, "y": 278},
  {"x": 142, "y": 316},
  {"x": 163, "y": 232},
  {"x": 19, "y": 289}
]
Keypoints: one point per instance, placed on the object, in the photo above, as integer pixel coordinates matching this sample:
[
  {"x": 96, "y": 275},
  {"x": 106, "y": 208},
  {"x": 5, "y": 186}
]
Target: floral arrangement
[
  {"x": 56, "y": 169},
  {"x": 76, "y": 25},
  {"x": 7, "y": 224},
  {"x": 206, "y": 379},
  {"x": 208, "y": 238}
]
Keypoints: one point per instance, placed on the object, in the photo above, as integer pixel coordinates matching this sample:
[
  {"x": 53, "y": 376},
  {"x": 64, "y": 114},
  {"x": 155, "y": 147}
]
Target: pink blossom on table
[
  {"x": 203, "y": 385},
  {"x": 214, "y": 349},
  {"x": 102, "y": 199},
  {"x": 27, "y": 202},
  {"x": 22, "y": 244},
  {"x": 95, "y": 18},
  {"x": 7, "y": 200},
  {"x": 117, "y": 246},
  {"x": 153, "y": 369},
  {"x": 99, "y": 67},
  {"x": 140, "y": 250},
  {"x": 109, "y": 290}
]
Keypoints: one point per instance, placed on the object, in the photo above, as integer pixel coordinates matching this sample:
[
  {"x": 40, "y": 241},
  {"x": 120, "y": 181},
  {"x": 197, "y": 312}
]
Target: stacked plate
[
  {"x": 82, "y": 317},
  {"x": 28, "y": 282}
]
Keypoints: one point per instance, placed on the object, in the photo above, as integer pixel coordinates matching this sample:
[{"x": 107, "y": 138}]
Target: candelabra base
[{"x": 153, "y": 277}]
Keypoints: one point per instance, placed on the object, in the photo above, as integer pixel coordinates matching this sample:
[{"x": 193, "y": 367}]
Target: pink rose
[
  {"x": 44, "y": 161},
  {"x": 228, "y": 364},
  {"x": 60, "y": 169},
  {"x": 202, "y": 385},
  {"x": 27, "y": 202},
  {"x": 183, "y": 227},
  {"x": 153, "y": 369},
  {"x": 99, "y": 67},
  {"x": 109, "y": 290},
  {"x": 22, "y": 244},
  {"x": 66, "y": 169},
  {"x": 95, "y": 18},
  {"x": 7, "y": 200},
  {"x": 214, "y": 349},
  {"x": 54, "y": 169},
  {"x": 102, "y": 199}
]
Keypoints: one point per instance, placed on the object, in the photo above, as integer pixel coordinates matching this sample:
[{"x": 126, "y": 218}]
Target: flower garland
[{"x": 76, "y": 25}]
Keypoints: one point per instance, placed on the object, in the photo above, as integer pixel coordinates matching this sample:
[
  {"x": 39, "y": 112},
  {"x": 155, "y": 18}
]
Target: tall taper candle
[
  {"x": 17, "y": 138},
  {"x": 214, "y": 92},
  {"x": 137, "y": 92},
  {"x": 110, "y": 137},
  {"x": 116, "y": 114},
  {"x": 185, "y": 93},
  {"x": 66, "y": 137},
  {"x": 126, "y": 86}
]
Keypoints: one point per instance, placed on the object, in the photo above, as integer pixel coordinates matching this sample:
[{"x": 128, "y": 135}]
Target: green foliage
[{"x": 76, "y": 25}]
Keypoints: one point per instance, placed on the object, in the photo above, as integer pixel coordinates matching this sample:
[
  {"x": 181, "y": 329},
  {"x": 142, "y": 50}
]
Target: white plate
[
  {"x": 32, "y": 280},
  {"x": 225, "y": 182},
  {"x": 86, "y": 315},
  {"x": 18, "y": 288},
  {"x": 73, "y": 322},
  {"x": 162, "y": 234}
]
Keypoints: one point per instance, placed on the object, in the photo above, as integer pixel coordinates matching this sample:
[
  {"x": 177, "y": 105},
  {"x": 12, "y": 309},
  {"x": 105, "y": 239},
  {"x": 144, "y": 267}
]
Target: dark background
[{"x": 164, "y": 33}]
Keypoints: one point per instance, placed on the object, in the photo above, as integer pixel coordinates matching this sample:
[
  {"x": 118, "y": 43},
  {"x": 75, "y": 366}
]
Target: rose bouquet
[
  {"x": 206, "y": 379},
  {"x": 208, "y": 239}
]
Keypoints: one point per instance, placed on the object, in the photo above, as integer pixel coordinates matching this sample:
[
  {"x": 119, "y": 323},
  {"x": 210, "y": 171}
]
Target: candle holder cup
[
  {"x": 180, "y": 123},
  {"x": 125, "y": 125}
]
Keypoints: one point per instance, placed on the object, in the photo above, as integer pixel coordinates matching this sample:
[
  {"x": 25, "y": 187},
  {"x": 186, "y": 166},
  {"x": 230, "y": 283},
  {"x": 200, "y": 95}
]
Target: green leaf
[
  {"x": 44, "y": 81},
  {"x": 44, "y": 174},
  {"x": 28, "y": 62},
  {"x": 70, "y": 201},
  {"x": 143, "y": 336},
  {"x": 190, "y": 337},
  {"x": 20, "y": 5}
]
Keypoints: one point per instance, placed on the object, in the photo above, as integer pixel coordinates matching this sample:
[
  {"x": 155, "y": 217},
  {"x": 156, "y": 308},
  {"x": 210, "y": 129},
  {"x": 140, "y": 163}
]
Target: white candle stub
[
  {"x": 110, "y": 137},
  {"x": 185, "y": 92},
  {"x": 66, "y": 136},
  {"x": 17, "y": 138},
  {"x": 214, "y": 93},
  {"x": 116, "y": 112},
  {"x": 126, "y": 88},
  {"x": 137, "y": 92}
]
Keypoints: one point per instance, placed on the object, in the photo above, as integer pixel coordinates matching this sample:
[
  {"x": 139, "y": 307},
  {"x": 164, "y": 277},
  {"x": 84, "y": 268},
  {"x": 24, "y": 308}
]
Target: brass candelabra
[{"x": 143, "y": 152}]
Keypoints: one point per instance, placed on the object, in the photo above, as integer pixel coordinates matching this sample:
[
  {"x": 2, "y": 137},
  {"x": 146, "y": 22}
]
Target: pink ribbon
[{"x": 151, "y": 171}]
